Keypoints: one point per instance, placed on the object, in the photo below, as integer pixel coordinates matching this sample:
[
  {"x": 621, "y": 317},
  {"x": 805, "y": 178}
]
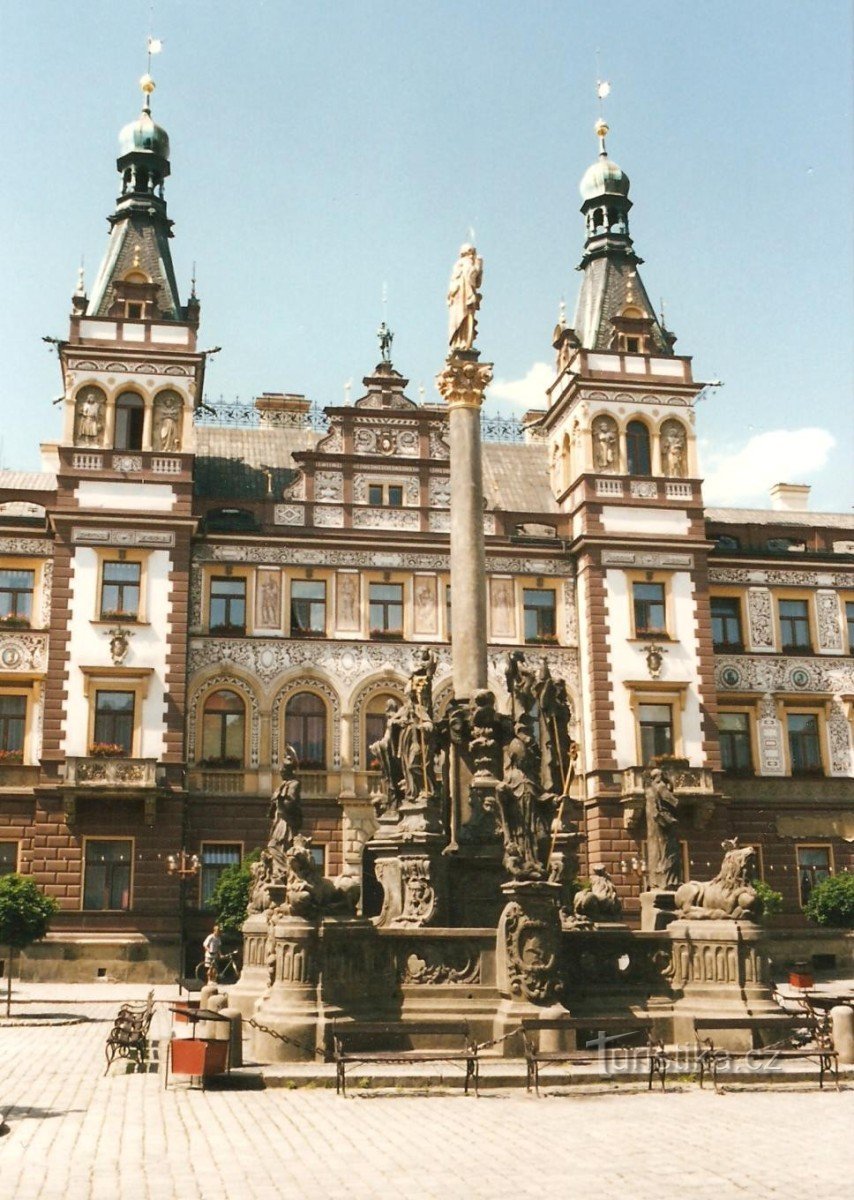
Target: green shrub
[
  {"x": 25, "y": 913},
  {"x": 832, "y": 902},
  {"x": 231, "y": 895},
  {"x": 772, "y": 902}
]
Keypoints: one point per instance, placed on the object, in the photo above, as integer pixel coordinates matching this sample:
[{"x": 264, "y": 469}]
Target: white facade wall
[
  {"x": 628, "y": 664},
  {"x": 90, "y": 647},
  {"x": 135, "y": 497}
]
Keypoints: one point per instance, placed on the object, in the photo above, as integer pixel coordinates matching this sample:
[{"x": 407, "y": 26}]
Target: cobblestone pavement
[{"x": 77, "y": 1135}]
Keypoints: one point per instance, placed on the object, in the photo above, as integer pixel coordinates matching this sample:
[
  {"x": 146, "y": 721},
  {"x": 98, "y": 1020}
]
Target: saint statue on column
[{"x": 464, "y": 298}]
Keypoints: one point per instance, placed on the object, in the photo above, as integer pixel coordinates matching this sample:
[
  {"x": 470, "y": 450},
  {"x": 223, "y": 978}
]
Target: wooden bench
[
  {"x": 608, "y": 1029},
  {"x": 817, "y": 1046},
  {"x": 347, "y": 1036},
  {"x": 128, "y": 1037}
]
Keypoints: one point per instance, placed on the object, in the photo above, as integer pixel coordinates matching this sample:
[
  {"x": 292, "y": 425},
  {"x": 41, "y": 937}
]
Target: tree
[
  {"x": 25, "y": 913},
  {"x": 831, "y": 902},
  {"x": 772, "y": 901},
  {"x": 231, "y": 895}
]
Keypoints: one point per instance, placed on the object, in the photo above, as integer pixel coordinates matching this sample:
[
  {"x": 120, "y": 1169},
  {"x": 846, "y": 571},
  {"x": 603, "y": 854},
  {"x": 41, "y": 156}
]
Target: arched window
[
  {"x": 637, "y": 449},
  {"x": 223, "y": 730},
  {"x": 376, "y": 715},
  {"x": 305, "y": 729},
  {"x": 130, "y": 412}
]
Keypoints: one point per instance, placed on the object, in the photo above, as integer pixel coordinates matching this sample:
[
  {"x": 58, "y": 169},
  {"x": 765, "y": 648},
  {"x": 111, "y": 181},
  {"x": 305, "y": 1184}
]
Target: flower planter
[
  {"x": 197, "y": 1056},
  {"x": 801, "y": 976}
]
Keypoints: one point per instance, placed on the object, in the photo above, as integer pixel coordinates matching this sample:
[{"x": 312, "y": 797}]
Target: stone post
[{"x": 462, "y": 384}]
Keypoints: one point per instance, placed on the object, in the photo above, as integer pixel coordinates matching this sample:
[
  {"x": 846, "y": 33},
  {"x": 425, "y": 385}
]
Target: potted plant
[
  {"x": 14, "y": 621},
  {"x": 11, "y": 757},
  {"x": 107, "y": 750}
]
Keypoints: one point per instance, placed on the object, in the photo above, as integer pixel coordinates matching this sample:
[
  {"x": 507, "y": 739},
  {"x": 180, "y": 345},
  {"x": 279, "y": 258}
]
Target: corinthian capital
[{"x": 463, "y": 381}]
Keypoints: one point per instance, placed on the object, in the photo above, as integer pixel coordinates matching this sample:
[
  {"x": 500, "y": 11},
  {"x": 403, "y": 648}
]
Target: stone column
[{"x": 462, "y": 384}]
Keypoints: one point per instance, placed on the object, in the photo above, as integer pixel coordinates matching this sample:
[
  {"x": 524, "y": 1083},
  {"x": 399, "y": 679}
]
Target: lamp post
[{"x": 185, "y": 866}]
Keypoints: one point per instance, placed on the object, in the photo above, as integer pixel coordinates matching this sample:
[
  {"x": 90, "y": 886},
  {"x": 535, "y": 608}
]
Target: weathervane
[{"x": 603, "y": 90}]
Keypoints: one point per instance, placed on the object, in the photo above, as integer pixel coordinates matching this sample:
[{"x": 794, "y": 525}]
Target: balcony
[
  {"x": 110, "y": 774},
  {"x": 693, "y": 786},
  {"x": 17, "y": 774}
]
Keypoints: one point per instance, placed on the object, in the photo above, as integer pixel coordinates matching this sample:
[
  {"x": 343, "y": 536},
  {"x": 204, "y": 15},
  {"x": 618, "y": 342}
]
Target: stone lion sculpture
[
  {"x": 730, "y": 896},
  {"x": 309, "y": 894},
  {"x": 600, "y": 901}
]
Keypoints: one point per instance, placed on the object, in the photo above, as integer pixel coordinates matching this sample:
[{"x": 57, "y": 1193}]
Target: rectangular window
[
  {"x": 650, "y": 611},
  {"x": 539, "y": 611},
  {"x": 656, "y": 730},
  {"x": 308, "y": 608},
  {"x": 375, "y": 493},
  {"x": 120, "y": 591},
  {"x": 8, "y": 858},
  {"x": 813, "y": 867},
  {"x": 390, "y": 495},
  {"x": 849, "y": 621},
  {"x": 386, "y": 609},
  {"x": 228, "y": 606},
  {"x": 106, "y": 881},
  {"x": 726, "y": 623},
  {"x": 395, "y": 495},
  {"x": 734, "y": 733},
  {"x": 13, "y": 721},
  {"x": 16, "y": 598},
  {"x": 216, "y": 857},
  {"x": 804, "y": 746},
  {"x": 318, "y": 853},
  {"x": 448, "y": 609},
  {"x": 114, "y": 720},
  {"x": 795, "y": 625}
]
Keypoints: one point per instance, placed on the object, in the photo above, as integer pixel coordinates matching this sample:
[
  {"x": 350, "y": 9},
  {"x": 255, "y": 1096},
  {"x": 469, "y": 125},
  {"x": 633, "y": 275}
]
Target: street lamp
[{"x": 185, "y": 866}]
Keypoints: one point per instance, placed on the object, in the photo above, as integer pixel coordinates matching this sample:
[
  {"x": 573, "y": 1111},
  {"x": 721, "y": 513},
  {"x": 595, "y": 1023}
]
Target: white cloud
[
  {"x": 529, "y": 392},
  {"x": 777, "y": 456}
]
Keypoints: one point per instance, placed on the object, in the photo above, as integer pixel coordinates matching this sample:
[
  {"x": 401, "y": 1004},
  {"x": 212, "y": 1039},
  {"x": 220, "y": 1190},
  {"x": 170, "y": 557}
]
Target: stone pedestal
[
  {"x": 657, "y": 910},
  {"x": 291, "y": 1006},
  {"x": 527, "y": 959},
  {"x": 255, "y": 976},
  {"x": 842, "y": 1023},
  {"x": 720, "y": 969},
  {"x": 413, "y": 874}
]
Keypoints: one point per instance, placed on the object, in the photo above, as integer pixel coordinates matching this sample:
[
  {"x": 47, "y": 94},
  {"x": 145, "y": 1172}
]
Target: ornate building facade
[{"x": 187, "y": 591}]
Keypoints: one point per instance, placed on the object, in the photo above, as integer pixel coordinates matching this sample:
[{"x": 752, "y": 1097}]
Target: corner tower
[{"x": 623, "y": 465}]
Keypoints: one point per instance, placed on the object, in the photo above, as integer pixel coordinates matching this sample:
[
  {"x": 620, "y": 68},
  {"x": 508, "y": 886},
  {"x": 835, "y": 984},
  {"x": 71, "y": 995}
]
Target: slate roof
[
  {"x": 774, "y": 516},
  {"x": 28, "y": 481},
  {"x": 229, "y": 460},
  {"x": 516, "y": 477},
  {"x": 604, "y": 293}
]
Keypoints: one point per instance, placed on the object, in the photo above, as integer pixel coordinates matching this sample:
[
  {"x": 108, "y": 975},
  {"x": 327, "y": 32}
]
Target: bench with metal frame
[
  {"x": 816, "y": 1045},
  {"x": 608, "y": 1028},
  {"x": 346, "y": 1052},
  {"x": 128, "y": 1037}
]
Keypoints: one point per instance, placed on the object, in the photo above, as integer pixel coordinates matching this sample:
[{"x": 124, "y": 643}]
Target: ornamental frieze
[
  {"x": 286, "y": 555},
  {"x": 23, "y": 651},
  {"x": 23, "y": 545},
  {"x": 744, "y": 673},
  {"x": 781, "y": 577}
]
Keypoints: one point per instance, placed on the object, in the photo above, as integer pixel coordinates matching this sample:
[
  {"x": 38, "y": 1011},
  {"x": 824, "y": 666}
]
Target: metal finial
[{"x": 80, "y": 290}]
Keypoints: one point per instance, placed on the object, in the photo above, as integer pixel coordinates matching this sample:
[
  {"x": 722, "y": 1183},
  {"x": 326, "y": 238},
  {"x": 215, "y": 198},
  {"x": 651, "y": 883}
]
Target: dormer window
[
  {"x": 633, "y": 345},
  {"x": 133, "y": 311}
]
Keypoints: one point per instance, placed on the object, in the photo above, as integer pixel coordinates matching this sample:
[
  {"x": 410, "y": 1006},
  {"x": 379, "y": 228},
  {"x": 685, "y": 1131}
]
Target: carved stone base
[
  {"x": 721, "y": 969},
  {"x": 510, "y": 1014},
  {"x": 657, "y": 909},
  {"x": 254, "y": 979},
  {"x": 528, "y": 944},
  {"x": 413, "y": 874},
  {"x": 291, "y": 1007}
]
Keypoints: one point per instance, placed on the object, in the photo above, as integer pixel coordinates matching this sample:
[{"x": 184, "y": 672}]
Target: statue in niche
[
  {"x": 557, "y": 747},
  {"x": 167, "y": 415},
  {"x": 673, "y": 449},
  {"x": 605, "y": 444},
  {"x": 664, "y": 854},
  {"x": 90, "y": 416},
  {"x": 348, "y": 590},
  {"x": 270, "y": 607},
  {"x": 600, "y": 901},
  {"x": 286, "y": 817},
  {"x": 464, "y": 299},
  {"x": 730, "y": 896}
]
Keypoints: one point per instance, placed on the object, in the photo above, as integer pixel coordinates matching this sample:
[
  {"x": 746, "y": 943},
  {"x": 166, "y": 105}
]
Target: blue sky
[{"x": 321, "y": 150}]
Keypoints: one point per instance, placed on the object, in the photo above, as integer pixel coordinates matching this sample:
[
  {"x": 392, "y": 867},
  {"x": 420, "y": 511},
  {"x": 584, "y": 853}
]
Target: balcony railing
[
  {"x": 694, "y": 787},
  {"x": 93, "y": 772}
]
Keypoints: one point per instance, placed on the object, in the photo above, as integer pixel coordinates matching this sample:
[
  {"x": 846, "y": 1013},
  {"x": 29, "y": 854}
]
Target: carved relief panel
[
  {"x": 348, "y": 608},
  {"x": 770, "y": 738},
  {"x": 268, "y": 600},
  {"x": 760, "y": 619},
  {"x": 606, "y": 444},
  {"x": 426, "y": 617},
  {"x": 166, "y": 426},
  {"x": 89, "y": 417},
  {"x": 827, "y": 620},
  {"x": 674, "y": 450},
  {"x": 502, "y": 607}
]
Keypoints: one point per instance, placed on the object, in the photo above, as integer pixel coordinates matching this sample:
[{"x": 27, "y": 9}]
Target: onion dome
[{"x": 604, "y": 177}]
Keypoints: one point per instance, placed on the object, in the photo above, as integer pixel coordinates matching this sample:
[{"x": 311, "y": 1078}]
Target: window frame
[
  {"x": 781, "y": 597},
  {"x": 385, "y": 631},
  {"x": 384, "y": 488},
  {"x": 304, "y": 763},
  {"x": 131, "y": 421},
  {"x": 111, "y": 716},
  {"x": 673, "y": 693},
  {"x": 643, "y": 633},
  {"x": 227, "y": 628},
  {"x": 831, "y": 869},
  {"x": 541, "y": 638},
  {"x": 203, "y": 907},
  {"x": 629, "y": 438},
  {"x": 119, "y": 613},
  {"x": 222, "y": 761},
  {"x": 312, "y": 632},
  {"x": 117, "y": 679},
  {"x": 14, "y": 619},
  {"x": 87, "y": 840},
  {"x": 16, "y": 867},
  {"x": 749, "y": 714},
  {"x": 725, "y": 647},
  {"x": 801, "y": 710}
]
